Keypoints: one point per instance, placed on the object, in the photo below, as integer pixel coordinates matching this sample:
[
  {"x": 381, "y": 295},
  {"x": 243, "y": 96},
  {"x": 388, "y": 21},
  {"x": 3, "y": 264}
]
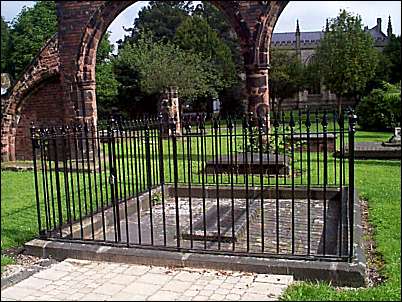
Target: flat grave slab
[
  {"x": 373, "y": 150},
  {"x": 250, "y": 163},
  {"x": 225, "y": 214},
  {"x": 316, "y": 141}
]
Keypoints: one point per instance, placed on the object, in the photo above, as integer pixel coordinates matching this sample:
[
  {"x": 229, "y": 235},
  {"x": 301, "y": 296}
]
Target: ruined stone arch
[
  {"x": 69, "y": 94},
  {"x": 43, "y": 69},
  {"x": 253, "y": 23}
]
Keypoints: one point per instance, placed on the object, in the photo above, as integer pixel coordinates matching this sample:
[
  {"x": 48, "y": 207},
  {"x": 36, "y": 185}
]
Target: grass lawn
[
  {"x": 377, "y": 181},
  {"x": 18, "y": 211}
]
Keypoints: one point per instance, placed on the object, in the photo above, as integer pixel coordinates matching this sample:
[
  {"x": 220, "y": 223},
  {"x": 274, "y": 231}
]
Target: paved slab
[{"x": 83, "y": 280}]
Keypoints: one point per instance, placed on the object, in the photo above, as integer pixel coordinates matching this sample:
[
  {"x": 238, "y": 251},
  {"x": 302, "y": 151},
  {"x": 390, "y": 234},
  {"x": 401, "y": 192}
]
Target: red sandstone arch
[
  {"x": 28, "y": 101},
  {"x": 254, "y": 30},
  {"x": 68, "y": 82}
]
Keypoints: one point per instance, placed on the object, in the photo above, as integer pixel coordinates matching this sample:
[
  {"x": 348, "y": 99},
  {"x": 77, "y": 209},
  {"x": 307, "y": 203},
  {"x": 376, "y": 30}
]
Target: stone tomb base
[
  {"x": 317, "y": 142},
  {"x": 240, "y": 164},
  {"x": 374, "y": 150},
  {"x": 161, "y": 236}
]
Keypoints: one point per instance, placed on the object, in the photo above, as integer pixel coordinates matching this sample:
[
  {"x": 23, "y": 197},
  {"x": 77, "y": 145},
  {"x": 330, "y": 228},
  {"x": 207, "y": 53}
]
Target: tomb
[
  {"x": 250, "y": 163},
  {"x": 225, "y": 227},
  {"x": 390, "y": 149},
  {"x": 316, "y": 141}
]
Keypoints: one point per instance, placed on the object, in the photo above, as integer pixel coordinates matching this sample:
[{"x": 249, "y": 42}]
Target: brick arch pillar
[{"x": 257, "y": 87}]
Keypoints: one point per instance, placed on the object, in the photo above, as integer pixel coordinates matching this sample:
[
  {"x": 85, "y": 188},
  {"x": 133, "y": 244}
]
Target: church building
[{"x": 304, "y": 44}]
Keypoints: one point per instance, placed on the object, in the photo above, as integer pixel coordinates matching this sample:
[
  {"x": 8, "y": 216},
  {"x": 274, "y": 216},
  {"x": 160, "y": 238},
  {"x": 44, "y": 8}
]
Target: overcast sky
[{"x": 311, "y": 14}]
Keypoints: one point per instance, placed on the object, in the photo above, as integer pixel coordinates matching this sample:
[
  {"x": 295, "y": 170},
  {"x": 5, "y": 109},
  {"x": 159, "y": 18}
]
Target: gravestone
[
  {"x": 216, "y": 106},
  {"x": 250, "y": 163},
  {"x": 169, "y": 107},
  {"x": 395, "y": 140},
  {"x": 317, "y": 142},
  {"x": 377, "y": 150}
]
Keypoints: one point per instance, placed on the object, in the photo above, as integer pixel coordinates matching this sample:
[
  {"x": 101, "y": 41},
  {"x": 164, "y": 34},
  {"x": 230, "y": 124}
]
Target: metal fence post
[
  {"x": 57, "y": 171},
  {"x": 149, "y": 176},
  {"x": 162, "y": 173},
  {"x": 351, "y": 143},
  {"x": 35, "y": 145},
  {"x": 176, "y": 177},
  {"x": 113, "y": 179}
]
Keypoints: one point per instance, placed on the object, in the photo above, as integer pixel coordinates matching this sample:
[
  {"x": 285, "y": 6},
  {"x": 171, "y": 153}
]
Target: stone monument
[
  {"x": 395, "y": 140},
  {"x": 170, "y": 110}
]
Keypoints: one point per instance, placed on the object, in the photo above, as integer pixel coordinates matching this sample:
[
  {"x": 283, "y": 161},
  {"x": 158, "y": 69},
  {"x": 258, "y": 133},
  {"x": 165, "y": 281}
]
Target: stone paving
[
  {"x": 255, "y": 239},
  {"x": 103, "y": 281}
]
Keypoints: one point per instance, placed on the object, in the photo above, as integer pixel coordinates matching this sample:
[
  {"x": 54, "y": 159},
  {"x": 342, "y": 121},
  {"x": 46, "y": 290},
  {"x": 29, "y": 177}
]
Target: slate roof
[
  {"x": 377, "y": 35},
  {"x": 313, "y": 36}
]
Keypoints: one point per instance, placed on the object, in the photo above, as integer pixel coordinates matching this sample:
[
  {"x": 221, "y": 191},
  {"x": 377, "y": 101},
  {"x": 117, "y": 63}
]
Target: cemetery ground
[{"x": 377, "y": 182}]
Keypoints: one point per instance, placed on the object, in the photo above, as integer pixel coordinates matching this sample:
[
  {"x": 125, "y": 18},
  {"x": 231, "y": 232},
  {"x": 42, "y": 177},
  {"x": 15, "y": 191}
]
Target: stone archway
[
  {"x": 34, "y": 94},
  {"x": 81, "y": 25},
  {"x": 253, "y": 22}
]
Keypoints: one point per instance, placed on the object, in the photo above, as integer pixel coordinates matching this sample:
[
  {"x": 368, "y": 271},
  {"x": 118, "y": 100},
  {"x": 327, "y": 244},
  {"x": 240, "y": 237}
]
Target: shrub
[{"x": 381, "y": 109}]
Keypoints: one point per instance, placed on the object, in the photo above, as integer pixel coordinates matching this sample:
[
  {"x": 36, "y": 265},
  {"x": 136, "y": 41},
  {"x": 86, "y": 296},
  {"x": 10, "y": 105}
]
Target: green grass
[
  {"x": 377, "y": 181},
  {"x": 18, "y": 212}
]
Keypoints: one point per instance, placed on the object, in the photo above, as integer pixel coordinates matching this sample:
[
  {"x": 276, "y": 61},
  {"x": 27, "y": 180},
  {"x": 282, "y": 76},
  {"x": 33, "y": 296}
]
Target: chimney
[{"x": 379, "y": 24}]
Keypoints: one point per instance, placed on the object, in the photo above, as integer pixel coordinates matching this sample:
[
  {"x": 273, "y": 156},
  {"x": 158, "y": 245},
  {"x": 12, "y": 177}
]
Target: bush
[{"x": 381, "y": 109}]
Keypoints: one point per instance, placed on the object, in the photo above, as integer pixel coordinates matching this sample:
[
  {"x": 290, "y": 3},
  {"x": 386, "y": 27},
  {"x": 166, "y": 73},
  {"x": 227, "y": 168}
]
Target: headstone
[
  {"x": 239, "y": 164},
  {"x": 395, "y": 140},
  {"x": 216, "y": 106},
  {"x": 398, "y": 133},
  {"x": 169, "y": 107},
  {"x": 317, "y": 141}
]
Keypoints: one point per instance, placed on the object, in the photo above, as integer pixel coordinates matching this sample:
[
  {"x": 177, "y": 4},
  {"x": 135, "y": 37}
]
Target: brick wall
[
  {"x": 43, "y": 68},
  {"x": 43, "y": 107}
]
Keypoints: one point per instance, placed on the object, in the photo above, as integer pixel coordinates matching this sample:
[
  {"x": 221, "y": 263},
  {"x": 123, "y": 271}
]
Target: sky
[{"x": 311, "y": 14}]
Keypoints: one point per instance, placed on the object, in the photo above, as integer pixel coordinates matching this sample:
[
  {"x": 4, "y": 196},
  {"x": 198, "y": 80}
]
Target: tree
[
  {"x": 389, "y": 65},
  {"x": 311, "y": 78},
  {"x": 346, "y": 56},
  {"x": 220, "y": 24},
  {"x": 30, "y": 30},
  {"x": 162, "y": 65},
  {"x": 285, "y": 76},
  {"x": 231, "y": 97},
  {"x": 162, "y": 18},
  {"x": 105, "y": 49},
  {"x": 392, "y": 53},
  {"x": 5, "y": 46},
  {"x": 381, "y": 109},
  {"x": 106, "y": 84},
  {"x": 195, "y": 35}
]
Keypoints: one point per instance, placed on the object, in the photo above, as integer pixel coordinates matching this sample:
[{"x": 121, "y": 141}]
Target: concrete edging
[{"x": 338, "y": 273}]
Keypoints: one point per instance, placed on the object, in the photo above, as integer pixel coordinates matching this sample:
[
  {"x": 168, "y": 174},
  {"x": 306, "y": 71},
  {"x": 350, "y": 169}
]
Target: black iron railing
[{"x": 240, "y": 186}]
